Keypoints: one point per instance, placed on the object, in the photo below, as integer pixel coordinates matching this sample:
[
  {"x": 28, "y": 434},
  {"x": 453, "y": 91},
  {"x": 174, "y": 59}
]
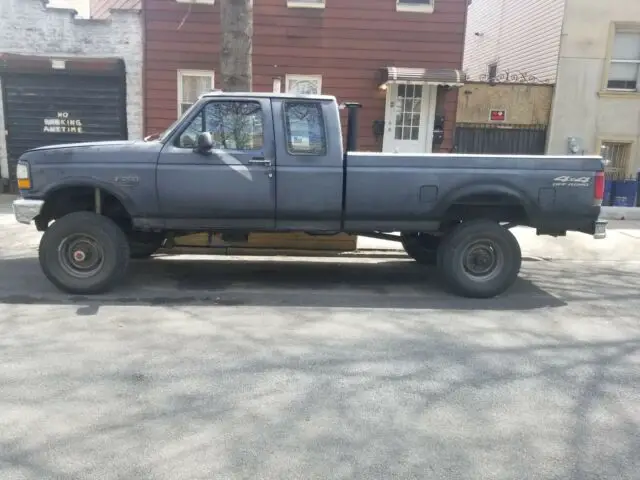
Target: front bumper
[{"x": 26, "y": 210}]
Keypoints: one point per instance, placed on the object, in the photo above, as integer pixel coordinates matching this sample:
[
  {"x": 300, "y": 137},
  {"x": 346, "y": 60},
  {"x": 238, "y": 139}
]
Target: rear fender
[{"x": 458, "y": 196}]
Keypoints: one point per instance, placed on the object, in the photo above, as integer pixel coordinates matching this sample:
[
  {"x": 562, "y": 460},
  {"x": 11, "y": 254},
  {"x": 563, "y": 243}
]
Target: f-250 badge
[
  {"x": 129, "y": 180},
  {"x": 566, "y": 181}
]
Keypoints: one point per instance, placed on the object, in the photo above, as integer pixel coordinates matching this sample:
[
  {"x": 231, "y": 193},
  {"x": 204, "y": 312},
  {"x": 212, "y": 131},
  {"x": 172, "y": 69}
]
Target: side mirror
[{"x": 205, "y": 142}]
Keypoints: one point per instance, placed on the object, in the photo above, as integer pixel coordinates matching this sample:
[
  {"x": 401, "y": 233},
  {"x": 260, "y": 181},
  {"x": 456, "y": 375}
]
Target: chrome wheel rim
[
  {"x": 80, "y": 255},
  {"x": 482, "y": 260}
]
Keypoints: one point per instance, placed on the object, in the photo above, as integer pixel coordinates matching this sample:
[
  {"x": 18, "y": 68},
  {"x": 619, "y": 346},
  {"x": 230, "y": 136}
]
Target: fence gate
[{"x": 501, "y": 139}]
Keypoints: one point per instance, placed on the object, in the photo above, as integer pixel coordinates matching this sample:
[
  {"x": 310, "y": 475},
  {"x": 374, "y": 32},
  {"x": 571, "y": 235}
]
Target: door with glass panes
[{"x": 409, "y": 112}]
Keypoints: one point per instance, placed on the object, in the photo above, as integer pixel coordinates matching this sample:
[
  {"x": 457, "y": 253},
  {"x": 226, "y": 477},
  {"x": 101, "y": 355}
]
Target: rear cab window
[{"x": 305, "y": 128}]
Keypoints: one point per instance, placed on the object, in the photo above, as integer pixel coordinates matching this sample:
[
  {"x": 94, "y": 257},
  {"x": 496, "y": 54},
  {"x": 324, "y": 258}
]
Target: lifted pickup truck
[{"x": 237, "y": 163}]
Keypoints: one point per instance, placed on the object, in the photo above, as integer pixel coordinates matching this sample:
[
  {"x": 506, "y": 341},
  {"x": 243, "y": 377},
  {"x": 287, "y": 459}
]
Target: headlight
[{"x": 22, "y": 174}]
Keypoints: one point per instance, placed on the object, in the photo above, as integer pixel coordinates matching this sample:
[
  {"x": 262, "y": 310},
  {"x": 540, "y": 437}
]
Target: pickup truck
[{"x": 236, "y": 163}]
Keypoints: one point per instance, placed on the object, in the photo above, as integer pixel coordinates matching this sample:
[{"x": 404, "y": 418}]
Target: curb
[{"x": 620, "y": 213}]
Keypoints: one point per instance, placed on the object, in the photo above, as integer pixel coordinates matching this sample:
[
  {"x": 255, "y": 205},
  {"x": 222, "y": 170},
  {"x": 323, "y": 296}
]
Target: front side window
[
  {"x": 234, "y": 125},
  {"x": 305, "y": 128},
  {"x": 624, "y": 70}
]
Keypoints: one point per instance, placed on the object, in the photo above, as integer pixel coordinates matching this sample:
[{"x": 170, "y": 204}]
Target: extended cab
[{"x": 237, "y": 163}]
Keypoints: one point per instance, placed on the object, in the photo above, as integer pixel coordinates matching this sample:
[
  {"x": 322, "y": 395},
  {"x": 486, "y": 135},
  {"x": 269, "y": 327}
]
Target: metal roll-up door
[{"x": 54, "y": 108}]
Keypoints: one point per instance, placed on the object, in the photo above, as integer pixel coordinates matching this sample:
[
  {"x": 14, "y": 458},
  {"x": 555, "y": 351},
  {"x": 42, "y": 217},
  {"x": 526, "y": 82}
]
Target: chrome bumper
[
  {"x": 600, "y": 229},
  {"x": 26, "y": 210}
]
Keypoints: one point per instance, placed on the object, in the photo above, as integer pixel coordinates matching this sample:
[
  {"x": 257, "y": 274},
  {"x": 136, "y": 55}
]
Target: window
[
  {"x": 617, "y": 158},
  {"x": 192, "y": 84},
  {"x": 304, "y": 84},
  {"x": 206, "y": 2},
  {"x": 305, "y": 3},
  {"x": 409, "y": 109},
  {"x": 624, "y": 70},
  {"x": 415, "y": 6},
  {"x": 492, "y": 71},
  {"x": 234, "y": 125},
  {"x": 304, "y": 125}
]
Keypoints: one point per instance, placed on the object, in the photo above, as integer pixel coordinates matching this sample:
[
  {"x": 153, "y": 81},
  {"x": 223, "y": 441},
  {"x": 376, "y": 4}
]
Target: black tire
[
  {"x": 422, "y": 247},
  {"x": 495, "y": 248},
  {"x": 142, "y": 245},
  {"x": 102, "y": 240}
]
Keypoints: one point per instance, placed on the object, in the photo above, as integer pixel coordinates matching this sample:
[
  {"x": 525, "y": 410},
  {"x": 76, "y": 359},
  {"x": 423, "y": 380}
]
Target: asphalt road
[{"x": 254, "y": 368}]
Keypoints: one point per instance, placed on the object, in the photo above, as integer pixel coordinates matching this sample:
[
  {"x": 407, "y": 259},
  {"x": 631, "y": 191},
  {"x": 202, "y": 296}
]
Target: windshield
[{"x": 164, "y": 136}]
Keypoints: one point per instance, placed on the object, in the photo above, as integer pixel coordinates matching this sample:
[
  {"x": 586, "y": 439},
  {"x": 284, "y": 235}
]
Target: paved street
[{"x": 352, "y": 368}]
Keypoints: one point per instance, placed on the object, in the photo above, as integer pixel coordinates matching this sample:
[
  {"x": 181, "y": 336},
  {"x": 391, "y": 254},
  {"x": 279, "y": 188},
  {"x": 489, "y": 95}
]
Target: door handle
[{"x": 260, "y": 161}]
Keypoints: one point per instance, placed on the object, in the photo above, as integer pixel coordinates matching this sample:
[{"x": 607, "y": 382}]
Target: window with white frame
[
  {"x": 306, "y": 3},
  {"x": 304, "y": 84},
  {"x": 415, "y": 5},
  {"x": 624, "y": 69},
  {"x": 205, "y": 2},
  {"x": 192, "y": 84}
]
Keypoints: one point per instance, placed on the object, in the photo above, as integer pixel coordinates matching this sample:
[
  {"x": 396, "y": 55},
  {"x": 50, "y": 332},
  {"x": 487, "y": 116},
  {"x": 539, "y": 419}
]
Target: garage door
[{"x": 56, "y": 108}]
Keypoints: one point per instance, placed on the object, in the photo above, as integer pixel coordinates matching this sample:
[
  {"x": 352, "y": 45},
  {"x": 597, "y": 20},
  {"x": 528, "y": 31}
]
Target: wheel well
[
  {"x": 83, "y": 198},
  {"x": 497, "y": 207}
]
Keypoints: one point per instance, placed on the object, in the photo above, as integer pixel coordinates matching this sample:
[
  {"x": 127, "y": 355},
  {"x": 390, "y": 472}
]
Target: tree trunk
[{"x": 236, "y": 19}]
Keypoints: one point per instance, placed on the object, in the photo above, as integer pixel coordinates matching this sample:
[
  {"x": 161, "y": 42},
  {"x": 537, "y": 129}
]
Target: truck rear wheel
[
  {"x": 84, "y": 253},
  {"x": 422, "y": 247},
  {"x": 479, "y": 259}
]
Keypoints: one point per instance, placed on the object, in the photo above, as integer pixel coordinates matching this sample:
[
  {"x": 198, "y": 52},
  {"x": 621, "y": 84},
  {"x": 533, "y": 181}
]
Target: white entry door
[{"x": 409, "y": 118}]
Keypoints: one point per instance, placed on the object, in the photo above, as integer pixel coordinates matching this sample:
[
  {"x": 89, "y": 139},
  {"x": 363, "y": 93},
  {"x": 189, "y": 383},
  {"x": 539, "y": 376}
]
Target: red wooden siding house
[{"x": 401, "y": 59}]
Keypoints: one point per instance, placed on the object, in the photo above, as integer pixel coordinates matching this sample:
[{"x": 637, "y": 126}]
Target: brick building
[{"x": 65, "y": 79}]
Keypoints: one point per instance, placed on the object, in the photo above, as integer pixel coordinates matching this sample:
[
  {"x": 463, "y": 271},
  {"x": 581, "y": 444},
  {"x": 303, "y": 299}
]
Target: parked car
[{"x": 237, "y": 163}]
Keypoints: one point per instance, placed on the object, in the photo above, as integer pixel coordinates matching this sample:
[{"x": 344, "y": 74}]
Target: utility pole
[{"x": 236, "y": 21}]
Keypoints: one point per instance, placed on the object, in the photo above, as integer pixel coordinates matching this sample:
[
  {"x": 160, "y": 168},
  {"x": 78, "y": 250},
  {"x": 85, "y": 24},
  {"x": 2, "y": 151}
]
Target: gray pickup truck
[{"x": 237, "y": 163}]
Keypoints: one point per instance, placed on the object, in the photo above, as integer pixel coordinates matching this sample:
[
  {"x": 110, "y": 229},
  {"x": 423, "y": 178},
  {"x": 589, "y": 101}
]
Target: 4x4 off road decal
[{"x": 566, "y": 181}]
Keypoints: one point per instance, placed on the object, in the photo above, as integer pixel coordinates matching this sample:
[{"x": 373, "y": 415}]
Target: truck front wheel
[
  {"x": 422, "y": 247},
  {"x": 479, "y": 259},
  {"x": 84, "y": 253}
]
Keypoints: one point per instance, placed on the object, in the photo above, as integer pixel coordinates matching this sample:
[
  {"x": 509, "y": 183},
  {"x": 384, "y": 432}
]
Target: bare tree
[{"x": 236, "y": 20}]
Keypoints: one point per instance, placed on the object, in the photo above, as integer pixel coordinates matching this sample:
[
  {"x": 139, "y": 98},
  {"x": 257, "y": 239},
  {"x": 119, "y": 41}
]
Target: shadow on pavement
[{"x": 248, "y": 282}]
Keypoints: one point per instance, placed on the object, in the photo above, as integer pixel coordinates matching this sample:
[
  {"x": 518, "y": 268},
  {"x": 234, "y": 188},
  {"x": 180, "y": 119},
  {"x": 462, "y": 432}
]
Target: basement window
[
  {"x": 420, "y": 6},
  {"x": 306, "y": 3}
]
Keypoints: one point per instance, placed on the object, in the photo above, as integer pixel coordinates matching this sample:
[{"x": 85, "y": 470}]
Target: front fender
[{"x": 93, "y": 182}]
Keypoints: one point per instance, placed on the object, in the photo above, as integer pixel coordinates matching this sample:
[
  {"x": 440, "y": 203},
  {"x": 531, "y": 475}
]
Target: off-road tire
[
  {"x": 106, "y": 234},
  {"x": 451, "y": 262},
  {"x": 423, "y": 248}
]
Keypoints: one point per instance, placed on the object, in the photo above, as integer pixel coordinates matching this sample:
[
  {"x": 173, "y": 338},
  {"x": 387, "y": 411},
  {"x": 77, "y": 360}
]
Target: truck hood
[
  {"x": 86, "y": 145},
  {"x": 96, "y": 152}
]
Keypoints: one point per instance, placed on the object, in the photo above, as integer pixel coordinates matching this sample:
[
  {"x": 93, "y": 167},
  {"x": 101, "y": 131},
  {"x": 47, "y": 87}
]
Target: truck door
[
  {"x": 309, "y": 151},
  {"x": 233, "y": 185}
]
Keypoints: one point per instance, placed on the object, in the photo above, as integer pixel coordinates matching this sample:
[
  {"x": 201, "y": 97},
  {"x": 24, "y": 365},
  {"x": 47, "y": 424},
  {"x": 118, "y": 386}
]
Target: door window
[
  {"x": 305, "y": 128},
  {"x": 234, "y": 125},
  {"x": 408, "y": 111}
]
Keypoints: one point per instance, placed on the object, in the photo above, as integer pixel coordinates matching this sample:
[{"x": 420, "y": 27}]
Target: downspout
[{"x": 555, "y": 79}]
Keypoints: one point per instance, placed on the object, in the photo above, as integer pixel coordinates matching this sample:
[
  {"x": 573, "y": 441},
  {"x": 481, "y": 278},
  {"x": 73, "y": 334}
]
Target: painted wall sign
[
  {"x": 63, "y": 123},
  {"x": 498, "y": 115}
]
